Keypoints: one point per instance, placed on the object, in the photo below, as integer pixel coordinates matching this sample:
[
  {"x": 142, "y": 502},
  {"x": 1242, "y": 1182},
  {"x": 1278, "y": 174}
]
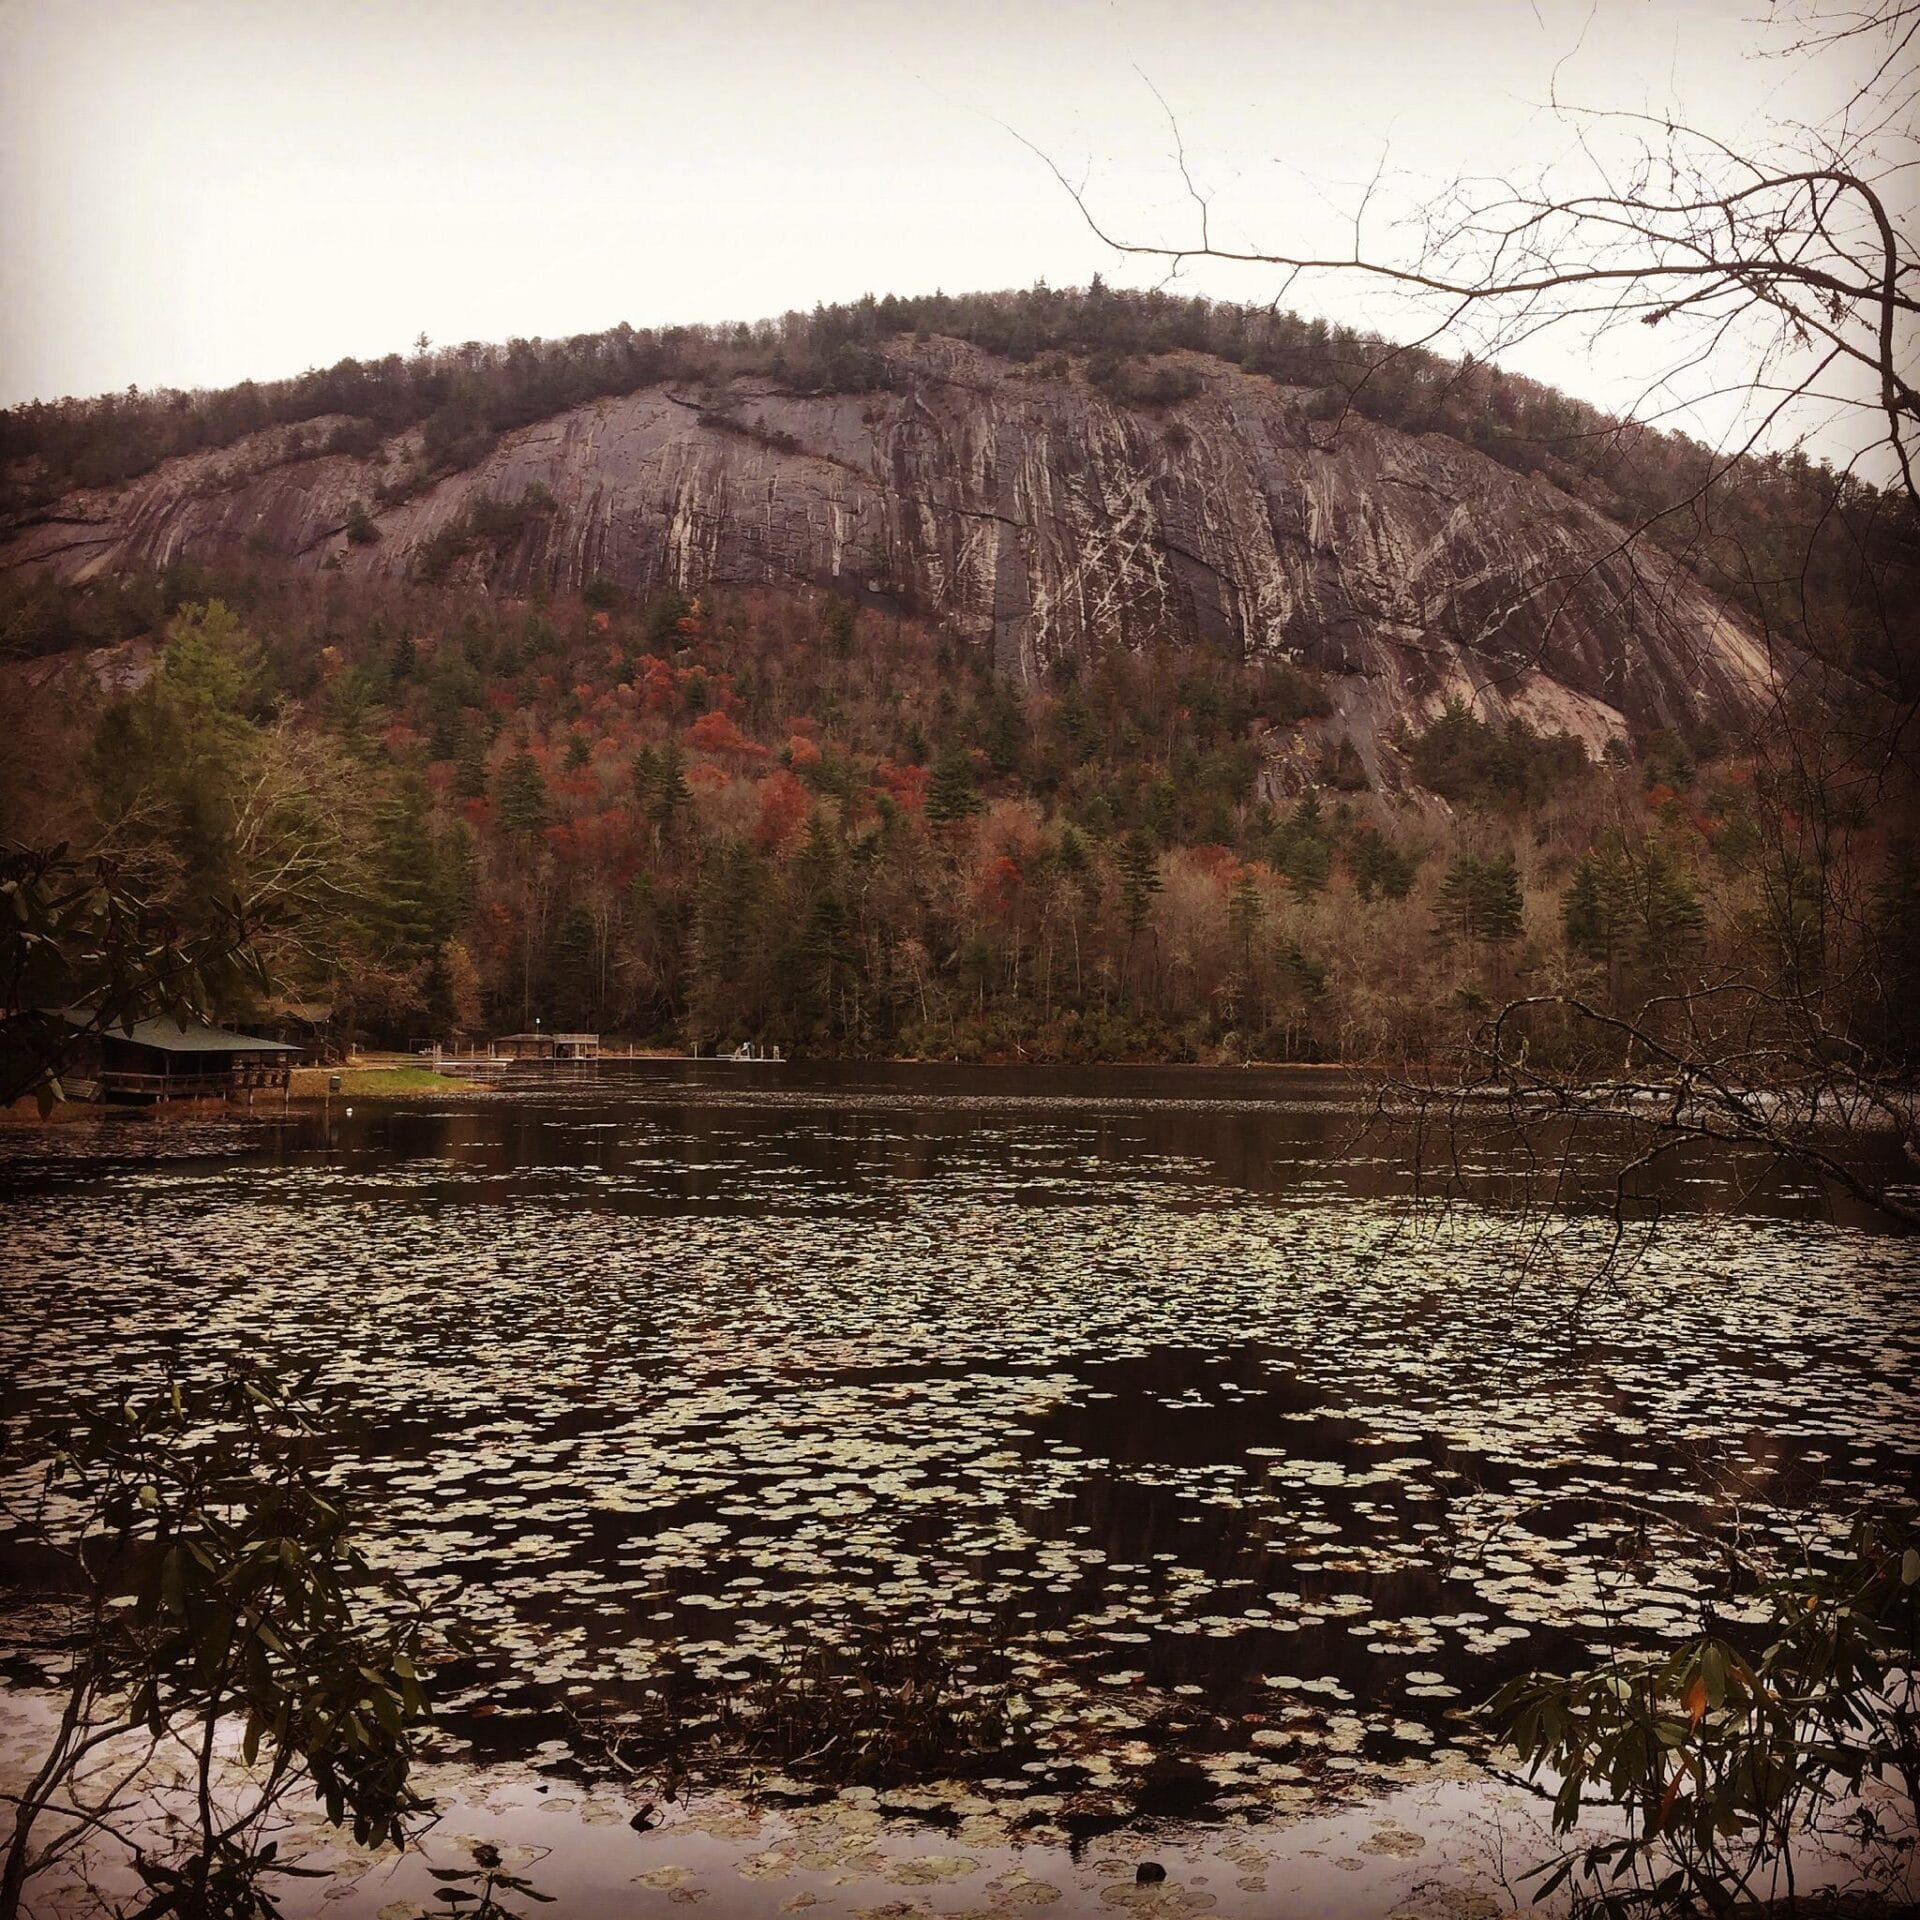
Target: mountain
[
  {"x": 1052, "y": 675},
  {"x": 1033, "y": 510}
]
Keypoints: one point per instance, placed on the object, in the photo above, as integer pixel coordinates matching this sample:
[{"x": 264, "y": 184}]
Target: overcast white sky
[{"x": 194, "y": 191}]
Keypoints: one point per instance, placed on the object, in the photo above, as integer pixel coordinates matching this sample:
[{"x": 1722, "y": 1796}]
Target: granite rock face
[{"x": 1030, "y": 516}]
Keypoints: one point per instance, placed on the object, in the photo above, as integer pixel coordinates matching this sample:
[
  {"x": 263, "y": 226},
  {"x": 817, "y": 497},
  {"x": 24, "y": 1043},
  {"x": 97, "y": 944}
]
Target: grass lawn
[{"x": 310, "y": 1083}]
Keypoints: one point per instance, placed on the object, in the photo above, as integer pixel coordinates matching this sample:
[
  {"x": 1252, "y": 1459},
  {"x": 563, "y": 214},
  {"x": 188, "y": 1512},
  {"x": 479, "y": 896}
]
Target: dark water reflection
[
  {"x": 1257, "y": 1473},
  {"x": 857, "y": 1129}
]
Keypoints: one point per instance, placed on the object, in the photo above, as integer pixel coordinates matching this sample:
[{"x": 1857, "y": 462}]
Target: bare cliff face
[{"x": 1030, "y": 515}]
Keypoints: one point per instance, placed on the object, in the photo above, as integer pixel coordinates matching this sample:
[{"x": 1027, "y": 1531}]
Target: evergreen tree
[
  {"x": 444, "y": 724},
  {"x": 521, "y": 795},
  {"x": 409, "y": 908},
  {"x": 644, "y": 773},
  {"x": 1596, "y": 915},
  {"x": 816, "y": 867},
  {"x": 1139, "y": 867},
  {"x": 1005, "y": 730},
  {"x": 672, "y": 799},
  {"x": 470, "y": 768},
  {"x": 1245, "y": 911},
  {"x": 1498, "y": 904},
  {"x": 830, "y": 959},
  {"x": 951, "y": 794},
  {"x": 1303, "y": 850},
  {"x": 574, "y": 973},
  {"x": 1379, "y": 867},
  {"x": 725, "y": 943},
  {"x": 1480, "y": 900},
  {"x": 840, "y": 629},
  {"x": 1670, "y": 915},
  {"x": 178, "y": 751},
  {"x": 1628, "y": 904}
]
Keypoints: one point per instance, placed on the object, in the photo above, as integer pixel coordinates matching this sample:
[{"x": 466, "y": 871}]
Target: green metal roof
[{"x": 164, "y": 1034}]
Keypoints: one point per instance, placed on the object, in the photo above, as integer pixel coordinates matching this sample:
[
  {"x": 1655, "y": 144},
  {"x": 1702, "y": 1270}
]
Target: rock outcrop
[{"x": 1030, "y": 515}]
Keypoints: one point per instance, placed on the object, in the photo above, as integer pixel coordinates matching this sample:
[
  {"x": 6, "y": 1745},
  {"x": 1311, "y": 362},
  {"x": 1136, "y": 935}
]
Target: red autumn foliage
[
  {"x": 784, "y": 805},
  {"x": 1218, "y": 863},
  {"x": 997, "y": 884},
  {"x": 905, "y": 786},
  {"x": 656, "y": 684},
  {"x": 715, "y": 733}
]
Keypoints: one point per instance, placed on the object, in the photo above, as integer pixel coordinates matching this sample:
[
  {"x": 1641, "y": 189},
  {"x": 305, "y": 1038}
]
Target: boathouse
[
  {"x": 546, "y": 1046},
  {"x": 165, "y": 1059}
]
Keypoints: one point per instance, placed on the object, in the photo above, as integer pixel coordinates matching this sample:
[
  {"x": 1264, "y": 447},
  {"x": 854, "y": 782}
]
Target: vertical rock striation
[{"x": 1031, "y": 516}]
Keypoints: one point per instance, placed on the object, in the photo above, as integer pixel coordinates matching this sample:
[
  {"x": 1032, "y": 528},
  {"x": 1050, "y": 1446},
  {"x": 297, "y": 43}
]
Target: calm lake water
[{"x": 1152, "y": 1393}]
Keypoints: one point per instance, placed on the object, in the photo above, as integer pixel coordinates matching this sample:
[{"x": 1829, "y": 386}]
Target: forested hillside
[
  {"x": 1799, "y": 548},
  {"x": 708, "y": 818},
  {"x": 1046, "y": 675}
]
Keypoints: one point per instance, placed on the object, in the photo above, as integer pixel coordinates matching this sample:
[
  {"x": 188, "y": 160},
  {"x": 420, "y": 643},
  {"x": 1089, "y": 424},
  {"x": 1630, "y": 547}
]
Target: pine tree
[
  {"x": 1631, "y": 905},
  {"x": 1588, "y": 917},
  {"x": 727, "y": 921},
  {"x": 1139, "y": 865},
  {"x": 1006, "y": 728},
  {"x": 444, "y": 724},
  {"x": 521, "y": 795},
  {"x": 1481, "y": 901},
  {"x": 470, "y": 767},
  {"x": 644, "y": 773},
  {"x": 840, "y": 629},
  {"x": 574, "y": 973},
  {"x": 1453, "y": 907},
  {"x": 1303, "y": 850},
  {"x": 672, "y": 799},
  {"x": 1670, "y": 914},
  {"x": 408, "y": 907},
  {"x": 817, "y": 864},
  {"x": 951, "y": 794},
  {"x": 829, "y": 955},
  {"x": 1245, "y": 911},
  {"x": 1379, "y": 867},
  {"x": 1498, "y": 907}
]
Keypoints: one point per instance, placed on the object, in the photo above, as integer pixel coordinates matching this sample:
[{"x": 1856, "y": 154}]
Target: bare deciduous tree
[
  {"x": 1788, "y": 279},
  {"x": 1788, "y": 276}
]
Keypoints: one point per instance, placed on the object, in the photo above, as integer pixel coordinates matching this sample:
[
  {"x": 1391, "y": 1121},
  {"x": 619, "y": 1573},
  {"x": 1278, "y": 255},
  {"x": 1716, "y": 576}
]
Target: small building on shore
[
  {"x": 546, "y": 1046},
  {"x": 166, "y": 1059}
]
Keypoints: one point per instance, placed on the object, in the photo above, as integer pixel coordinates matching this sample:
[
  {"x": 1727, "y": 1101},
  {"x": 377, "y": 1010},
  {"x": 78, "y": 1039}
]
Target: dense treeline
[
  {"x": 1801, "y": 547},
  {"x": 784, "y": 819}
]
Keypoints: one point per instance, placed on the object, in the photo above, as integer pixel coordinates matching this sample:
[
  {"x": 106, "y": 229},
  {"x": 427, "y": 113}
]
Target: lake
[{"x": 1149, "y": 1408}]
